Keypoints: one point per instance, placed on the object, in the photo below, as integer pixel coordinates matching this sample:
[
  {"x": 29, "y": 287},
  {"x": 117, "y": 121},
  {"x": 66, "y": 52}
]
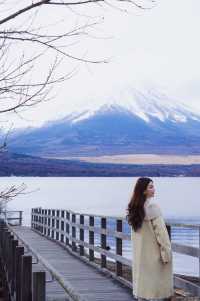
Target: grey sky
[{"x": 158, "y": 47}]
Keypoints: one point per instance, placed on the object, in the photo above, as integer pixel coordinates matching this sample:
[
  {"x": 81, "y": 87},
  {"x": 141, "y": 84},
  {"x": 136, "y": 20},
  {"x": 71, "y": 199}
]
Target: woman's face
[{"x": 150, "y": 190}]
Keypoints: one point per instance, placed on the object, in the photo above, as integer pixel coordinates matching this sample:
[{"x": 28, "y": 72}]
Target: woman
[{"x": 152, "y": 255}]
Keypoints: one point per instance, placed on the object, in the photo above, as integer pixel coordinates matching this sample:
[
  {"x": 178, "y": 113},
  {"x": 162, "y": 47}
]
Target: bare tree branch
[
  {"x": 22, "y": 11},
  {"x": 11, "y": 192},
  {"x": 62, "y": 3},
  {"x": 18, "y": 89}
]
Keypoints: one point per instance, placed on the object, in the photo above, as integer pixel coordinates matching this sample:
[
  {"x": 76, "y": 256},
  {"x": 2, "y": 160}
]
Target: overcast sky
[{"x": 158, "y": 48}]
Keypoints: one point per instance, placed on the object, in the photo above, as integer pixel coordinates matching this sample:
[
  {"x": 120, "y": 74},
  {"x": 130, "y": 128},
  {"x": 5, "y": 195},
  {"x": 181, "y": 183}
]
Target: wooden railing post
[
  {"x": 32, "y": 218},
  {"x": 5, "y": 247},
  {"x": 37, "y": 219},
  {"x": 10, "y": 258},
  {"x": 19, "y": 252},
  {"x": 91, "y": 238},
  {"x": 103, "y": 242},
  {"x": 45, "y": 222},
  {"x": 62, "y": 225},
  {"x": 73, "y": 232},
  {"x": 20, "y": 218},
  {"x": 13, "y": 284},
  {"x": 4, "y": 257},
  {"x": 26, "y": 278},
  {"x": 2, "y": 227},
  {"x": 67, "y": 227},
  {"x": 49, "y": 222},
  {"x": 81, "y": 247},
  {"x": 39, "y": 286},
  {"x": 169, "y": 230},
  {"x": 52, "y": 223},
  {"x": 119, "y": 228},
  {"x": 7, "y": 253},
  {"x": 57, "y": 224},
  {"x": 40, "y": 220}
]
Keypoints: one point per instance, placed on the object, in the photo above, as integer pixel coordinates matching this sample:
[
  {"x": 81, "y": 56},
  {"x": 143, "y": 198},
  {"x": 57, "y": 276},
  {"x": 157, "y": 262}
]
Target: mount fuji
[{"x": 134, "y": 122}]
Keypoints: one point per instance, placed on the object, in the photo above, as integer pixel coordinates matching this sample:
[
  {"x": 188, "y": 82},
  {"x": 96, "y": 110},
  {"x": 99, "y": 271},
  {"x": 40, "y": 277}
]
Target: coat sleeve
[
  {"x": 153, "y": 213},
  {"x": 162, "y": 237}
]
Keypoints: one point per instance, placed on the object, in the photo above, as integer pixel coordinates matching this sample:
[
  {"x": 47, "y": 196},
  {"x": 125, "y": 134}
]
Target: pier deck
[
  {"x": 68, "y": 256},
  {"x": 82, "y": 281}
]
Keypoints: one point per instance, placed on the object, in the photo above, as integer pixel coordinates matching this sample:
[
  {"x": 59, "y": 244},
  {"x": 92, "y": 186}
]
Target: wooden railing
[
  {"x": 21, "y": 284},
  {"x": 87, "y": 234},
  {"x": 190, "y": 251},
  {"x": 13, "y": 217}
]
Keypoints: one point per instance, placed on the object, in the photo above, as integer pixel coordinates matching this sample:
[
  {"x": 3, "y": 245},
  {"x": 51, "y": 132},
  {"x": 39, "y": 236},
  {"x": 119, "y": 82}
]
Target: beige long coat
[{"x": 152, "y": 269}]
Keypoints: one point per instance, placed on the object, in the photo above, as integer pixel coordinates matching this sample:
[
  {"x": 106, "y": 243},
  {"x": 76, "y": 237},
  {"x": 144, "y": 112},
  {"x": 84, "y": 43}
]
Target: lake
[{"x": 178, "y": 199}]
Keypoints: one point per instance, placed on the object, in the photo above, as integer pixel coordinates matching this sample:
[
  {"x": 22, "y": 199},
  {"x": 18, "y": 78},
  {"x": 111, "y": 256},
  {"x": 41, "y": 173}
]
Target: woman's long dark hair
[{"x": 135, "y": 210}]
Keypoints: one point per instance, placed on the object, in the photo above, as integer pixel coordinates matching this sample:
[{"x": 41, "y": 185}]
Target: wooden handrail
[
  {"x": 17, "y": 218},
  {"x": 64, "y": 225}
]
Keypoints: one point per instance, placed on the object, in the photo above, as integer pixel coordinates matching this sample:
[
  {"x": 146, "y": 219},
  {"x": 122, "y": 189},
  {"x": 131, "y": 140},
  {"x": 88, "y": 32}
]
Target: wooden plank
[
  {"x": 187, "y": 250},
  {"x": 64, "y": 283},
  {"x": 78, "y": 278}
]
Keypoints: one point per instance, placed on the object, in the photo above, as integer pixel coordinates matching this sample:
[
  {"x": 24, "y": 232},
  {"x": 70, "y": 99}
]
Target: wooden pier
[{"x": 67, "y": 256}]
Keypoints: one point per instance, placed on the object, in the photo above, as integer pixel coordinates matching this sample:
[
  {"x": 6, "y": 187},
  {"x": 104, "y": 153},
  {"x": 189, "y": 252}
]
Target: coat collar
[{"x": 148, "y": 201}]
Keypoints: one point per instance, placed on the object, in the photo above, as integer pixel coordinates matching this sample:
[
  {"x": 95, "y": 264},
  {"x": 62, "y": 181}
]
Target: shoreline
[{"x": 135, "y": 159}]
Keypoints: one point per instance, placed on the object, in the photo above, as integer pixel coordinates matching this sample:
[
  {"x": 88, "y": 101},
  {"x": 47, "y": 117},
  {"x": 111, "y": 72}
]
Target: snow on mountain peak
[
  {"x": 146, "y": 104},
  {"x": 84, "y": 115},
  {"x": 151, "y": 103}
]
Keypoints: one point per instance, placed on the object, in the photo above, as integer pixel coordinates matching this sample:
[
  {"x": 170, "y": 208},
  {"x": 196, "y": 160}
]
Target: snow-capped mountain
[
  {"x": 135, "y": 122},
  {"x": 145, "y": 105}
]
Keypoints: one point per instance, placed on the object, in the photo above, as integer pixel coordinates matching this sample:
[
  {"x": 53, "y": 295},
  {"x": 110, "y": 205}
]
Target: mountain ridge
[{"x": 141, "y": 124}]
